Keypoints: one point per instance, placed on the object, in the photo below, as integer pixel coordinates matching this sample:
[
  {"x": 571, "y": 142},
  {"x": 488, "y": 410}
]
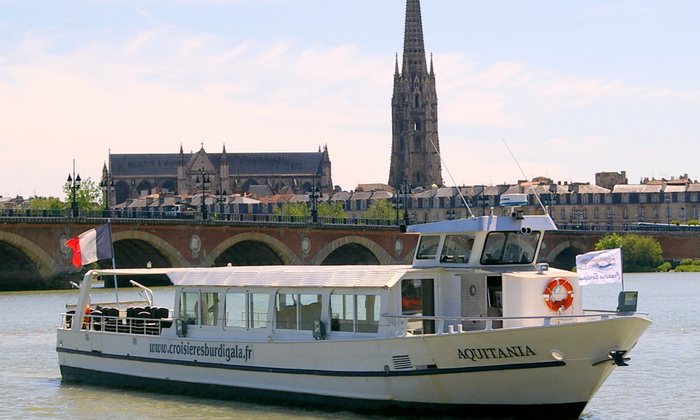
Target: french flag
[{"x": 92, "y": 245}]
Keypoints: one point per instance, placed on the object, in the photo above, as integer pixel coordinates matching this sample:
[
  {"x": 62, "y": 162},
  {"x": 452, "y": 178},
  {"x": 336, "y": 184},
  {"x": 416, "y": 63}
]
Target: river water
[{"x": 662, "y": 381}]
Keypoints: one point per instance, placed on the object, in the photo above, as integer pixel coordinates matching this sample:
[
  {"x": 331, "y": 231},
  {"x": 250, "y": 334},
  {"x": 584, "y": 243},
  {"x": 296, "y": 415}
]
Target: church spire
[
  {"x": 413, "y": 46},
  {"x": 414, "y": 159}
]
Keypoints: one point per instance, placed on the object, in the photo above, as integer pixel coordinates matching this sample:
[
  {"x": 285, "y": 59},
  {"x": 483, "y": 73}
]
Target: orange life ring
[
  {"x": 86, "y": 320},
  {"x": 553, "y": 287}
]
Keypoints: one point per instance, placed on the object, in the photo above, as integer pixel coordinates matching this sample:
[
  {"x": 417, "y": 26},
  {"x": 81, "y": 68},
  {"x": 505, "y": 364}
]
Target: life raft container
[{"x": 554, "y": 287}]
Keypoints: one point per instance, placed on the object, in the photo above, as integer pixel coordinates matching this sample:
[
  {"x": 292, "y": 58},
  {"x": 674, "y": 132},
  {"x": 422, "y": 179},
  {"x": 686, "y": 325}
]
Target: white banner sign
[{"x": 599, "y": 267}]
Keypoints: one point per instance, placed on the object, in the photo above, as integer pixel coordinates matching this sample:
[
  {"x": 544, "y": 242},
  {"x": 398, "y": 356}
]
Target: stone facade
[
  {"x": 415, "y": 145},
  {"x": 610, "y": 179}
]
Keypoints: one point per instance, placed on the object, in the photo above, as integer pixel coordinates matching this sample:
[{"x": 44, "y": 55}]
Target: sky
[{"x": 571, "y": 88}]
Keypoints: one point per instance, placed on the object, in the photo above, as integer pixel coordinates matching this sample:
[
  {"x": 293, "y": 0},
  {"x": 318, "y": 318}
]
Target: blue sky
[{"x": 574, "y": 88}]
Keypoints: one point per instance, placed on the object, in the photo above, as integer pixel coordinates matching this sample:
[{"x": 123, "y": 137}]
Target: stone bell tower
[{"x": 414, "y": 156}]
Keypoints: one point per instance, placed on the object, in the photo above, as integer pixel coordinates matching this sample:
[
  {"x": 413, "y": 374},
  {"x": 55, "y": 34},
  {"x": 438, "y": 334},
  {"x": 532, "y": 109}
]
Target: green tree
[
  {"x": 46, "y": 203},
  {"x": 639, "y": 253},
  {"x": 88, "y": 196},
  {"x": 298, "y": 208},
  {"x": 382, "y": 209},
  {"x": 326, "y": 209}
]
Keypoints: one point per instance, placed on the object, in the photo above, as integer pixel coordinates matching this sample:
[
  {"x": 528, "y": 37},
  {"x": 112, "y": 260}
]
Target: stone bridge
[{"x": 33, "y": 254}]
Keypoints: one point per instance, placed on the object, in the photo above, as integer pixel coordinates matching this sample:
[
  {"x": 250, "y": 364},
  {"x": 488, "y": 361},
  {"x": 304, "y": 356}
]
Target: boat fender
[{"x": 553, "y": 288}]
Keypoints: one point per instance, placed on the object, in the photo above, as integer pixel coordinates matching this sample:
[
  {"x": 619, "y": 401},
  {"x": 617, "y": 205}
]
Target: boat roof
[
  {"x": 280, "y": 276},
  {"x": 486, "y": 224}
]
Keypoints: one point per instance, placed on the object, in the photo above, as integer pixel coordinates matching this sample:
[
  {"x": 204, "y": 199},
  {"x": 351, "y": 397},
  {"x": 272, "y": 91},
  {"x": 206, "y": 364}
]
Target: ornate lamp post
[
  {"x": 107, "y": 186},
  {"x": 314, "y": 196},
  {"x": 202, "y": 173},
  {"x": 668, "y": 209},
  {"x": 74, "y": 186},
  {"x": 404, "y": 191},
  {"x": 221, "y": 200}
]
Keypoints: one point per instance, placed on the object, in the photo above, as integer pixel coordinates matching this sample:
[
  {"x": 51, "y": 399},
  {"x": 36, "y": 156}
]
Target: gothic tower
[{"x": 414, "y": 159}]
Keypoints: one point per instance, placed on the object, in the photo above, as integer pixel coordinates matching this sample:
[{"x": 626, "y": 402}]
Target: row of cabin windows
[
  {"x": 293, "y": 311},
  {"x": 499, "y": 248}
]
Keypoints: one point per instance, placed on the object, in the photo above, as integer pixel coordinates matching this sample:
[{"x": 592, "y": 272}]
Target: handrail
[{"x": 489, "y": 321}]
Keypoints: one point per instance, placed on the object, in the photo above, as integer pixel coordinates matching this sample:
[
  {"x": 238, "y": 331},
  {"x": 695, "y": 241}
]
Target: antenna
[
  {"x": 544, "y": 209},
  {"x": 464, "y": 200}
]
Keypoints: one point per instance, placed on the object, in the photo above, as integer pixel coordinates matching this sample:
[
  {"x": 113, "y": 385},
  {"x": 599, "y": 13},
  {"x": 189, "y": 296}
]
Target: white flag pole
[{"x": 114, "y": 264}]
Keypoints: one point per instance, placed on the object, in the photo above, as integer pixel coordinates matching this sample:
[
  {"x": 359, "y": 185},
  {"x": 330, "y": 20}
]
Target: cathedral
[
  {"x": 137, "y": 175},
  {"x": 415, "y": 159}
]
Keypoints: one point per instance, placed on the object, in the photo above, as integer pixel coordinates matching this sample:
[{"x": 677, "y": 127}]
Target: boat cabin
[{"x": 468, "y": 274}]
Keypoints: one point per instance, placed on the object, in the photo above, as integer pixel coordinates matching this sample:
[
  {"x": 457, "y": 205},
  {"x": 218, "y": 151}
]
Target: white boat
[{"x": 475, "y": 327}]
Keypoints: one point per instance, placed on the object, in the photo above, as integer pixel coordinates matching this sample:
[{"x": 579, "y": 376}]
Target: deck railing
[
  {"x": 117, "y": 324},
  {"x": 434, "y": 325}
]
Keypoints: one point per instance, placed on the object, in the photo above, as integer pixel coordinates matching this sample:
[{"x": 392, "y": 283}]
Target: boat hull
[
  {"x": 532, "y": 372},
  {"x": 523, "y": 411}
]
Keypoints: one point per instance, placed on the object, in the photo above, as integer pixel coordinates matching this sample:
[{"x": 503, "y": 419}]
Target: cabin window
[
  {"x": 246, "y": 310},
  {"x": 297, "y": 311},
  {"x": 428, "y": 247},
  {"x": 199, "y": 308},
  {"x": 189, "y": 305},
  {"x": 457, "y": 248},
  {"x": 510, "y": 248},
  {"x": 210, "y": 305},
  {"x": 355, "y": 313},
  {"x": 235, "y": 309},
  {"x": 418, "y": 299}
]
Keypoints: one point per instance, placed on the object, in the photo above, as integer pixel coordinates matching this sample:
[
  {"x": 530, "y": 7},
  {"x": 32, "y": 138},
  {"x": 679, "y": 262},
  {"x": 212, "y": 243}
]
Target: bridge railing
[{"x": 166, "y": 217}]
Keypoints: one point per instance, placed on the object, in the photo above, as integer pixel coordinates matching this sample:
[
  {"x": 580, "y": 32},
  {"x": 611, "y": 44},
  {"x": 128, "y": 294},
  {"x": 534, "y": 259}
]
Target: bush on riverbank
[
  {"x": 688, "y": 266},
  {"x": 640, "y": 254}
]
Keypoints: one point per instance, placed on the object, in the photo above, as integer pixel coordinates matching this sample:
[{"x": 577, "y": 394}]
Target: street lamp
[
  {"x": 668, "y": 209},
  {"x": 74, "y": 186},
  {"x": 107, "y": 186},
  {"x": 205, "y": 180},
  {"x": 221, "y": 200},
  {"x": 314, "y": 196}
]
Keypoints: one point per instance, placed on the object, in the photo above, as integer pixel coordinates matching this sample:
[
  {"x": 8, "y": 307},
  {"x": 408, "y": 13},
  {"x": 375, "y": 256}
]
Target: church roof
[{"x": 241, "y": 164}]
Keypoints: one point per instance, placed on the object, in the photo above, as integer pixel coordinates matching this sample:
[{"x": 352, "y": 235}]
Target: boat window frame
[
  {"x": 248, "y": 300},
  {"x": 423, "y": 245},
  {"x": 461, "y": 240},
  {"x": 489, "y": 259},
  {"x": 199, "y": 319},
  {"x": 356, "y": 324},
  {"x": 298, "y": 321}
]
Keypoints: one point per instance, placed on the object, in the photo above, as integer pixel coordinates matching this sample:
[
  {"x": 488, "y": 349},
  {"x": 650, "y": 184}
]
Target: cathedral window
[
  {"x": 416, "y": 101},
  {"x": 416, "y": 126}
]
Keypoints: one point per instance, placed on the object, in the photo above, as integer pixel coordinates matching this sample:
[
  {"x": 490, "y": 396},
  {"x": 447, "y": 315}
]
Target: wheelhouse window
[
  {"x": 510, "y": 248},
  {"x": 457, "y": 248},
  {"x": 355, "y": 313},
  {"x": 246, "y": 310},
  {"x": 428, "y": 247},
  {"x": 297, "y": 311}
]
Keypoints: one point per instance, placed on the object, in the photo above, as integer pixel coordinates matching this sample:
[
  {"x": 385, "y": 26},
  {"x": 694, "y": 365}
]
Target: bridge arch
[
  {"x": 170, "y": 253},
  {"x": 381, "y": 255},
  {"x": 286, "y": 256},
  {"x": 564, "y": 254},
  {"x": 43, "y": 262}
]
